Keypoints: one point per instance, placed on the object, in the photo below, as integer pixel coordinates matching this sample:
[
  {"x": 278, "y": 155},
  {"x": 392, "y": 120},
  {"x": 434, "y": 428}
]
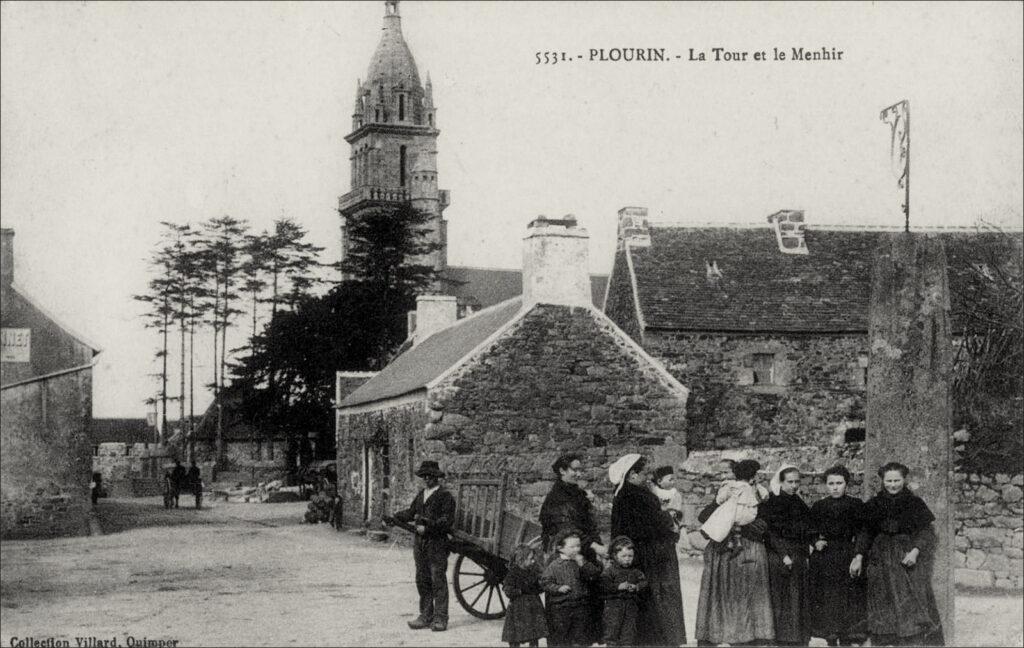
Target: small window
[
  {"x": 764, "y": 368},
  {"x": 376, "y": 115},
  {"x": 430, "y": 119},
  {"x": 401, "y": 107},
  {"x": 401, "y": 166},
  {"x": 854, "y": 435}
]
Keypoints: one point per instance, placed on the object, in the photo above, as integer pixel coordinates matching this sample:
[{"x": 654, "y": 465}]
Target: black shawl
[
  {"x": 566, "y": 507},
  {"x": 637, "y": 514},
  {"x": 789, "y": 522},
  {"x": 902, "y": 513}
]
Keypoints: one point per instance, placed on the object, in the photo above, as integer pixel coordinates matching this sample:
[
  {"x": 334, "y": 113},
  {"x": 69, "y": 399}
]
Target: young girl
[
  {"x": 737, "y": 501},
  {"x": 899, "y": 542},
  {"x": 524, "y": 618},
  {"x": 566, "y": 594},
  {"x": 836, "y": 612},
  {"x": 788, "y": 544},
  {"x": 620, "y": 584}
]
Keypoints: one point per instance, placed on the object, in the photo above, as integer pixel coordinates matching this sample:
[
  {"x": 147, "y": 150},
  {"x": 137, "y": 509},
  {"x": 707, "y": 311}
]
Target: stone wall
[
  {"x": 988, "y": 509},
  {"x": 989, "y": 519},
  {"x": 393, "y": 441},
  {"x": 121, "y": 464},
  {"x": 559, "y": 381},
  {"x": 45, "y": 457},
  {"x": 813, "y": 394}
]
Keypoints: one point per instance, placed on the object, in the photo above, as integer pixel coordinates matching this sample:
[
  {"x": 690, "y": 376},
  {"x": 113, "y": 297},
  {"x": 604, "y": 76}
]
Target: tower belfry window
[
  {"x": 401, "y": 107},
  {"x": 401, "y": 166}
]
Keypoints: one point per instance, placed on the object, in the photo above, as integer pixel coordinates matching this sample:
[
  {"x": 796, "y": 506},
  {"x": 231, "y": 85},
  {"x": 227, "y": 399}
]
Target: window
[
  {"x": 854, "y": 435},
  {"x": 430, "y": 119},
  {"x": 401, "y": 107},
  {"x": 764, "y": 368},
  {"x": 401, "y": 166}
]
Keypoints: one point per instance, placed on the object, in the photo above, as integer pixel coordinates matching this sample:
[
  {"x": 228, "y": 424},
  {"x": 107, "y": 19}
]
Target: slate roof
[
  {"x": 415, "y": 368},
  {"x": 121, "y": 430},
  {"x": 488, "y": 286},
  {"x": 763, "y": 290}
]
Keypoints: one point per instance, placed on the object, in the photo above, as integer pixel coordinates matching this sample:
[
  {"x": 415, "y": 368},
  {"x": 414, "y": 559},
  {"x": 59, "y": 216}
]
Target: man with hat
[{"x": 433, "y": 512}]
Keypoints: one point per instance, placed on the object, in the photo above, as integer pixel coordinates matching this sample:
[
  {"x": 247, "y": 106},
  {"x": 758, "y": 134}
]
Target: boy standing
[
  {"x": 566, "y": 595},
  {"x": 620, "y": 584}
]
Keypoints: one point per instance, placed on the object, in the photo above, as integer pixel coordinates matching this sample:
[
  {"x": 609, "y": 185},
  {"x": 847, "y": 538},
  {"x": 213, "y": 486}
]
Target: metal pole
[{"x": 906, "y": 201}]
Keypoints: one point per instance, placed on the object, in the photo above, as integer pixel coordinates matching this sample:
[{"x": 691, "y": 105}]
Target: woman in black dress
[
  {"x": 788, "y": 521},
  {"x": 899, "y": 543},
  {"x": 567, "y": 508},
  {"x": 637, "y": 514},
  {"x": 836, "y": 597}
]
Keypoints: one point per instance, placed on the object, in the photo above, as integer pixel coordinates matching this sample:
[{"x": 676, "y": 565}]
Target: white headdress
[
  {"x": 617, "y": 471},
  {"x": 776, "y": 482}
]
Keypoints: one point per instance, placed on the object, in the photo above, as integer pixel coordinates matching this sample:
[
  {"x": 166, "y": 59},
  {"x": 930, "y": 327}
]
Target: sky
[{"x": 116, "y": 116}]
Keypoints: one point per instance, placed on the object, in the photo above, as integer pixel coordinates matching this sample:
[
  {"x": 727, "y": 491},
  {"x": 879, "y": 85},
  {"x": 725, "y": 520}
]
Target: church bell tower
[{"x": 394, "y": 139}]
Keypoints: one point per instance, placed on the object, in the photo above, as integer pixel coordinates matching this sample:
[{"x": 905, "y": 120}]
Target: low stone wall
[
  {"x": 989, "y": 509},
  {"x": 989, "y": 518},
  {"x": 121, "y": 465}
]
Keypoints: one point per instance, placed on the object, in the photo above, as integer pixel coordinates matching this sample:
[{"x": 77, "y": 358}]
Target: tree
[
  {"x": 288, "y": 378},
  {"x": 158, "y": 316},
  {"x": 220, "y": 260},
  {"x": 387, "y": 261},
  {"x": 989, "y": 361}
]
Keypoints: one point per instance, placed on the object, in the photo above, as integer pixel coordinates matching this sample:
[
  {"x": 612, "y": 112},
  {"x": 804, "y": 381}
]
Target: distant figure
[
  {"x": 195, "y": 483},
  {"x": 97, "y": 484},
  {"x": 179, "y": 478}
]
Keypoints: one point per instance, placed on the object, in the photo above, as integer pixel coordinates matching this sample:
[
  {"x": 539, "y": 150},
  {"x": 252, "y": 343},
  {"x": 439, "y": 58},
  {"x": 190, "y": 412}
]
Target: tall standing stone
[{"x": 909, "y": 399}]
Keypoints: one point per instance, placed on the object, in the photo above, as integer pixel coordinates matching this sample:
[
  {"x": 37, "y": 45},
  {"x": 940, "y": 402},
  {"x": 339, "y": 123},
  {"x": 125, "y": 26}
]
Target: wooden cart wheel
[{"x": 478, "y": 588}]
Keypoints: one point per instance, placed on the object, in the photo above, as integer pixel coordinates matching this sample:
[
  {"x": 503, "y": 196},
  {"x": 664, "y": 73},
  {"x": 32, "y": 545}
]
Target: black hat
[
  {"x": 429, "y": 469},
  {"x": 661, "y": 472},
  {"x": 745, "y": 469}
]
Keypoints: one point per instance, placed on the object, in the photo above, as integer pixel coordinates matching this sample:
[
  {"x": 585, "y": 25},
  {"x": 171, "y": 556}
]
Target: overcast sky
[{"x": 118, "y": 115}]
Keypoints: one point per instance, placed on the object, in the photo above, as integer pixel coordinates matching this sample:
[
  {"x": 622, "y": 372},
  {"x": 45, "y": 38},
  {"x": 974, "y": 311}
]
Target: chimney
[
  {"x": 789, "y": 231},
  {"x": 555, "y": 263},
  {"x": 633, "y": 229},
  {"x": 433, "y": 313},
  {"x": 7, "y": 256}
]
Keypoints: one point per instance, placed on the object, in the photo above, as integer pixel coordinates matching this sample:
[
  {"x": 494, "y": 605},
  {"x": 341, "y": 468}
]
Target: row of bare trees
[{"x": 204, "y": 277}]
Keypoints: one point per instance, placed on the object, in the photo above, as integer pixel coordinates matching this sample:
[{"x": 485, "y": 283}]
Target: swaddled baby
[{"x": 737, "y": 501}]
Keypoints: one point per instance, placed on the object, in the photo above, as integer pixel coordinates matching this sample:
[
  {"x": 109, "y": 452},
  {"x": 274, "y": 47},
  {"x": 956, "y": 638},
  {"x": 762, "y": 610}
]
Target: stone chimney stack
[
  {"x": 555, "y": 269},
  {"x": 633, "y": 228},
  {"x": 433, "y": 313},
  {"x": 789, "y": 228},
  {"x": 7, "y": 256}
]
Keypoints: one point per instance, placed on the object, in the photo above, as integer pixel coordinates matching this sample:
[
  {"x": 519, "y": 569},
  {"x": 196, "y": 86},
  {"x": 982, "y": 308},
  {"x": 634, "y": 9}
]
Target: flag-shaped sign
[{"x": 898, "y": 118}]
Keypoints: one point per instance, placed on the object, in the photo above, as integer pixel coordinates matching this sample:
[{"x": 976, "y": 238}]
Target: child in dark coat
[
  {"x": 524, "y": 618},
  {"x": 620, "y": 584},
  {"x": 566, "y": 595}
]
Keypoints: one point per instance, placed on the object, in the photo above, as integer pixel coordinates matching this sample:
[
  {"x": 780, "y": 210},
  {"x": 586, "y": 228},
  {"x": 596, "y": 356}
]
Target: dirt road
[{"x": 251, "y": 574}]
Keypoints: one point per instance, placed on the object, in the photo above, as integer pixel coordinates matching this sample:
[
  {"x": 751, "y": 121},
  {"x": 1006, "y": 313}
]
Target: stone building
[
  {"x": 768, "y": 326},
  {"x": 509, "y": 388},
  {"x": 46, "y": 388},
  {"x": 394, "y": 160},
  {"x": 771, "y": 339},
  {"x": 250, "y": 455}
]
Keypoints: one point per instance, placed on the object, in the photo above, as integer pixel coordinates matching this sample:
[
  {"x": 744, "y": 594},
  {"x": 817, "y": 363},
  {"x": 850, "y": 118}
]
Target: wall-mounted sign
[{"x": 16, "y": 344}]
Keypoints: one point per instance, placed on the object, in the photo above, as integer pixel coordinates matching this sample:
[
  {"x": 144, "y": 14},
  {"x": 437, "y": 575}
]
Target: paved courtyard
[{"x": 252, "y": 574}]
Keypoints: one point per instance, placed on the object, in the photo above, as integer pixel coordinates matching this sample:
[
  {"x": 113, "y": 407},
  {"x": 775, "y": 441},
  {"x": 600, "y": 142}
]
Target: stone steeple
[{"x": 394, "y": 137}]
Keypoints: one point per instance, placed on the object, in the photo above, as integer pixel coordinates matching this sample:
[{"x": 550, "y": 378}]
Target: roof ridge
[{"x": 977, "y": 227}]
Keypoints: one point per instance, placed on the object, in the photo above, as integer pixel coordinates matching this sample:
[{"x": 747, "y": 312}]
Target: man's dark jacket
[{"x": 437, "y": 515}]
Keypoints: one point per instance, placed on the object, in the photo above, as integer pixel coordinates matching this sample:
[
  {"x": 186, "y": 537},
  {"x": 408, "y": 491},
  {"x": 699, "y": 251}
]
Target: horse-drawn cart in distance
[{"x": 483, "y": 537}]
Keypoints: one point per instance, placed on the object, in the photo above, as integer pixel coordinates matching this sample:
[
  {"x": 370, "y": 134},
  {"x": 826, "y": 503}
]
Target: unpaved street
[{"x": 251, "y": 574}]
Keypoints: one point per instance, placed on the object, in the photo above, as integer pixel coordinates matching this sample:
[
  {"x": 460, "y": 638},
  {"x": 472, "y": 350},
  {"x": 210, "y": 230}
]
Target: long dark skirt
[
  {"x": 900, "y": 600},
  {"x": 836, "y": 599},
  {"x": 660, "y": 621},
  {"x": 734, "y": 605},
  {"x": 788, "y": 587}
]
